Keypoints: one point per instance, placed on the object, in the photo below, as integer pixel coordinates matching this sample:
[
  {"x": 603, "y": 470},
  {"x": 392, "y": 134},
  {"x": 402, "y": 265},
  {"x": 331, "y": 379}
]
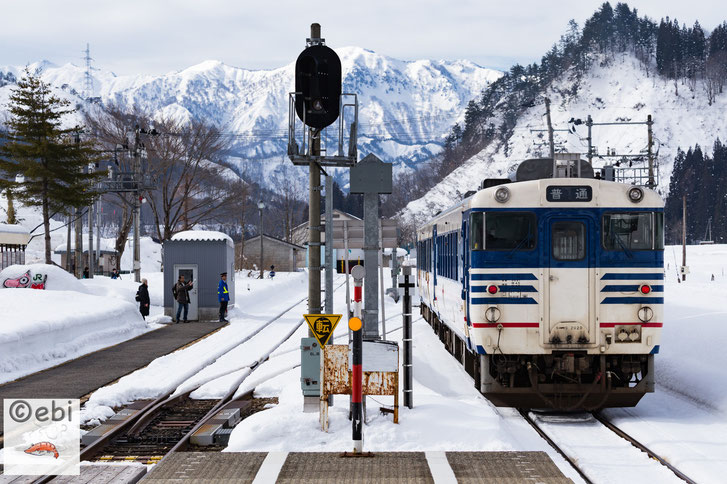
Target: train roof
[{"x": 540, "y": 194}]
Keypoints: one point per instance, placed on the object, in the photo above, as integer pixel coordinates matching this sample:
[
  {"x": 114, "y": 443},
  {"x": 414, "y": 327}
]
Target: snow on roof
[
  {"x": 202, "y": 235},
  {"x": 107, "y": 245},
  {"x": 14, "y": 234}
]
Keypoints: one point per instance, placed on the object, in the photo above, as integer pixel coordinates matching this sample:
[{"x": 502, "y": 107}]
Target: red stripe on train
[
  {"x": 645, "y": 325},
  {"x": 506, "y": 325}
]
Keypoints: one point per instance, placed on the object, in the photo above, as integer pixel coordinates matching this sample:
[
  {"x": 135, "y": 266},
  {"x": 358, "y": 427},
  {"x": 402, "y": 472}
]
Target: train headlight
[
  {"x": 645, "y": 289},
  {"x": 492, "y": 289},
  {"x": 502, "y": 194},
  {"x": 636, "y": 194}
]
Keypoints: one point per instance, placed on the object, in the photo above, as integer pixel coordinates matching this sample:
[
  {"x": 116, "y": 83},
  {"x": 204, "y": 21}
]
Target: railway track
[
  {"x": 164, "y": 425},
  {"x": 546, "y": 425}
]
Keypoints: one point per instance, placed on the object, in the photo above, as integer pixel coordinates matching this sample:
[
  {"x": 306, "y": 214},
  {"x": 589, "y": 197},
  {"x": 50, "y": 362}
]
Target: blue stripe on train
[
  {"x": 613, "y": 276},
  {"x": 481, "y": 350},
  {"x": 505, "y": 288},
  {"x": 504, "y": 277},
  {"x": 503, "y": 300},
  {"x": 655, "y": 350},
  {"x": 629, "y": 288},
  {"x": 633, "y": 300}
]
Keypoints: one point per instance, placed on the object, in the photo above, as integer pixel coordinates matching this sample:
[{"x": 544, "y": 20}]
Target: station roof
[{"x": 14, "y": 234}]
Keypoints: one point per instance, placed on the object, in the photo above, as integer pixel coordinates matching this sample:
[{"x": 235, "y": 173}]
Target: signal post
[{"x": 318, "y": 103}]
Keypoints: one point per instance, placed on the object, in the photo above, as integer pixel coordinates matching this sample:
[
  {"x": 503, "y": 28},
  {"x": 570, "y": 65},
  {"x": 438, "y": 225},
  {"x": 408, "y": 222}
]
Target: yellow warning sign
[{"x": 322, "y": 325}]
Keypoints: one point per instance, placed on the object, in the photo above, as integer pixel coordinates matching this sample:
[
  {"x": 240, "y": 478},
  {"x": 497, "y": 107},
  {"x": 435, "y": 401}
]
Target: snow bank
[
  {"x": 43, "y": 328},
  {"x": 56, "y": 279}
]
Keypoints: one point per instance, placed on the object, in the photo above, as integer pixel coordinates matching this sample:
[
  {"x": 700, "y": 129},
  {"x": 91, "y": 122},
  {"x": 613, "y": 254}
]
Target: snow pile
[
  {"x": 42, "y": 328},
  {"x": 693, "y": 357}
]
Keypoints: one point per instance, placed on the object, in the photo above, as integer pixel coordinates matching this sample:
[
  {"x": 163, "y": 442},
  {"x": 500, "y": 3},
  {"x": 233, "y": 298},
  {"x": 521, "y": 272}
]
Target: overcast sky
[{"x": 158, "y": 36}]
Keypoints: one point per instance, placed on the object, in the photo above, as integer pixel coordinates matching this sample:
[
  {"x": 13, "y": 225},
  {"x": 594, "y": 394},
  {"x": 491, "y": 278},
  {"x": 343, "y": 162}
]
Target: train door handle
[{"x": 552, "y": 278}]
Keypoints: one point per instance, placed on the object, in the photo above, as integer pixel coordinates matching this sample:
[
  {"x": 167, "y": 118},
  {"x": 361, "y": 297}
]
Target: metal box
[{"x": 310, "y": 367}]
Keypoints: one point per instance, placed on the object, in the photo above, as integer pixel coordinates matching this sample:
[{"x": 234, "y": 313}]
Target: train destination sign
[
  {"x": 322, "y": 325},
  {"x": 569, "y": 193}
]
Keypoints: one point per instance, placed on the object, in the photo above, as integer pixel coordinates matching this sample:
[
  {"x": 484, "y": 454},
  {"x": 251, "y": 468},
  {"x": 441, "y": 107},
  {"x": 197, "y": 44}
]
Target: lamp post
[{"x": 261, "y": 206}]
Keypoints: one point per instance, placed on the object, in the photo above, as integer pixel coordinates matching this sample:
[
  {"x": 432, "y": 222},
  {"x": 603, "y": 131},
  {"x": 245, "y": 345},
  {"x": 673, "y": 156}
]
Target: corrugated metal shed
[{"x": 208, "y": 254}]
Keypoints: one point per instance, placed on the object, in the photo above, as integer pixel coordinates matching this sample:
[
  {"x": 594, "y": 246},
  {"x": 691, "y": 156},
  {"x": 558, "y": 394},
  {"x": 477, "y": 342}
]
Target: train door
[
  {"x": 465, "y": 258},
  {"x": 435, "y": 253},
  {"x": 569, "y": 301}
]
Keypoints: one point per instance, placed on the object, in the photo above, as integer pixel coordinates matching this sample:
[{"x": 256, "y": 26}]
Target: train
[{"x": 548, "y": 286}]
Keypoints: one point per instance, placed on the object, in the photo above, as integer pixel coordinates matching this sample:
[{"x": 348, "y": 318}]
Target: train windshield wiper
[
  {"x": 629, "y": 254},
  {"x": 519, "y": 244}
]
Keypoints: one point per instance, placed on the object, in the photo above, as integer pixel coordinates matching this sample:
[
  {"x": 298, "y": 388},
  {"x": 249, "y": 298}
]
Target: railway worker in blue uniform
[{"x": 223, "y": 295}]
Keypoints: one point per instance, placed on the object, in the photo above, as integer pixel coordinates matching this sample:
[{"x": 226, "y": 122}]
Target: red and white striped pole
[{"x": 356, "y": 327}]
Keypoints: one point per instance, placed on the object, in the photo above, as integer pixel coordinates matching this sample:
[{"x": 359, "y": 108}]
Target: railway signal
[{"x": 318, "y": 80}]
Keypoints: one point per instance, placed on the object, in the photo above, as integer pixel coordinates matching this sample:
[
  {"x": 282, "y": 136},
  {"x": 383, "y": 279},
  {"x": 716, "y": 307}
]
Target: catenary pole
[
  {"x": 329, "y": 244},
  {"x": 137, "y": 205}
]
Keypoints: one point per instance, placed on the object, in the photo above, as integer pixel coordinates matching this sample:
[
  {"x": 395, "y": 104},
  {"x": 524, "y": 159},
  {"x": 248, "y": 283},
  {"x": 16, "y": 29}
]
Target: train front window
[
  {"x": 503, "y": 231},
  {"x": 633, "y": 231},
  {"x": 569, "y": 240}
]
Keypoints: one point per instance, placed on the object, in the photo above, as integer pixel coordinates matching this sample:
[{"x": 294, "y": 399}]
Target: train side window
[
  {"x": 659, "y": 232},
  {"x": 569, "y": 240},
  {"x": 477, "y": 232},
  {"x": 510, "y": 231},
  {"x": 632, "y": 231}
]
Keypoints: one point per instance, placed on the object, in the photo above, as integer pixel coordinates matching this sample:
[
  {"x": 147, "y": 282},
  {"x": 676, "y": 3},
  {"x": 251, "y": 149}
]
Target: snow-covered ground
[
  {"x": 684, "y": 421},
  {"x": 70, "y": 318}
]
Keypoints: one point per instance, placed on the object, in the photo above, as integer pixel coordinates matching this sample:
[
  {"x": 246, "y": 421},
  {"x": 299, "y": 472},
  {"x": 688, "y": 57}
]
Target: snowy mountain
[
  {"x": 406, "y": 107},
  {"x": 619, "y": 90}
]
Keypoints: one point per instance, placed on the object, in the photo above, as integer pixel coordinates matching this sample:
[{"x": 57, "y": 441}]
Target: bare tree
[
  {"x": 289, "y": 195},
  {"x": 189, "y": 186}
]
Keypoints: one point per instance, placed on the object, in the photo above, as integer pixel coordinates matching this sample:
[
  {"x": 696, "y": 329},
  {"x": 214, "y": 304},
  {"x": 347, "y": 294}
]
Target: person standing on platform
[
  {"x": 142, "y": 295},
  {"x": 181, "y": 294},
  {"x": 223, "y": 295}
]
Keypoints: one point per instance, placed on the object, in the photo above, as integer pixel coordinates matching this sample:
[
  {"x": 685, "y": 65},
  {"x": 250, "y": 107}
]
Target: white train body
[{"x": 551, "y": 296}]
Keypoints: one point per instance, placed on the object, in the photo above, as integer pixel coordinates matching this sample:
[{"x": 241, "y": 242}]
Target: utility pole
[
  {"x": 79, "y": 229},
  {"x": 137, "y": 204},
  {"x": 329, "y": 244},
  {"x": 260, "y": 207},
  {"x": 650, "y": 182},
  {"x": 684, "y": 237},
  {"x": 91, "y": 265},
  {"x": 550, "y": 128},
  {"x": 589, "y": 123},
  {"x": 69, "y": 265}
]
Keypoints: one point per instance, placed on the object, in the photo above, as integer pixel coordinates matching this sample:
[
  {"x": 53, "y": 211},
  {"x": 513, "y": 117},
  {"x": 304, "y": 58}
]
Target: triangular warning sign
[{"x": 322, "y": 325}]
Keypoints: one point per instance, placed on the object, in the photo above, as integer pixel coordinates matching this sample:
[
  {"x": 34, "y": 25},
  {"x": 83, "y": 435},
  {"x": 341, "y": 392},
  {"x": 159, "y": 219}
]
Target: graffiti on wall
[{"x": 26, "y": 280}]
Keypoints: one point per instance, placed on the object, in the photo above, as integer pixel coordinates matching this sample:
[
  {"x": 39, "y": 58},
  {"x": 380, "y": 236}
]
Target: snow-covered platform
[
  {"x": 380, "y": 467},
  {"x": 79, "y": 377}
]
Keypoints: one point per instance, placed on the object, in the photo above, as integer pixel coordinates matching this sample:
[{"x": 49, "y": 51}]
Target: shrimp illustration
[
  {"x": 22, "y": 281},
  {"x": 42, "y": 448}
]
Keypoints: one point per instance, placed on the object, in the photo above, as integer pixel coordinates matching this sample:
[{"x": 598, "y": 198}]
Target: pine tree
[{"x": 42, "y": 162}]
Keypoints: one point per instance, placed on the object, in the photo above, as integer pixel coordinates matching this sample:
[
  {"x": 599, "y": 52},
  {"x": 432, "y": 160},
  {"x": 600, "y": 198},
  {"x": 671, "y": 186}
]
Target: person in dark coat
[
  {"x": 223, "y": 295},
  {"x": 85, "y": 272},
  {"x": 181, "y": 295},
  {"x": 142, "y": 295}
]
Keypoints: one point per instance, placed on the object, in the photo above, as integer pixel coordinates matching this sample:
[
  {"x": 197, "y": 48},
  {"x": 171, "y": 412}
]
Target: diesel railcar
[{"x": 549, "y": 291}]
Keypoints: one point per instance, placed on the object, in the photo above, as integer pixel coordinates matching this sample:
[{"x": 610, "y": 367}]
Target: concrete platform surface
[
  {"x": 79, "y": 377},
  {"x": 380, "y": 468},
  {"x": 96, "y": 474}
]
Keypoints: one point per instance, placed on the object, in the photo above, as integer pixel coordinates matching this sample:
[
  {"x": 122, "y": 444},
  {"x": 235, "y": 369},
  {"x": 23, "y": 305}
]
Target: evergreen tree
[{"x": 42, "y": 162}]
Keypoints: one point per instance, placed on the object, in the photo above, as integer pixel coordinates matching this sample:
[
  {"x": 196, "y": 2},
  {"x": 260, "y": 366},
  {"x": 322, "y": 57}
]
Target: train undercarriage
[{"x": 563, "y": 380}]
